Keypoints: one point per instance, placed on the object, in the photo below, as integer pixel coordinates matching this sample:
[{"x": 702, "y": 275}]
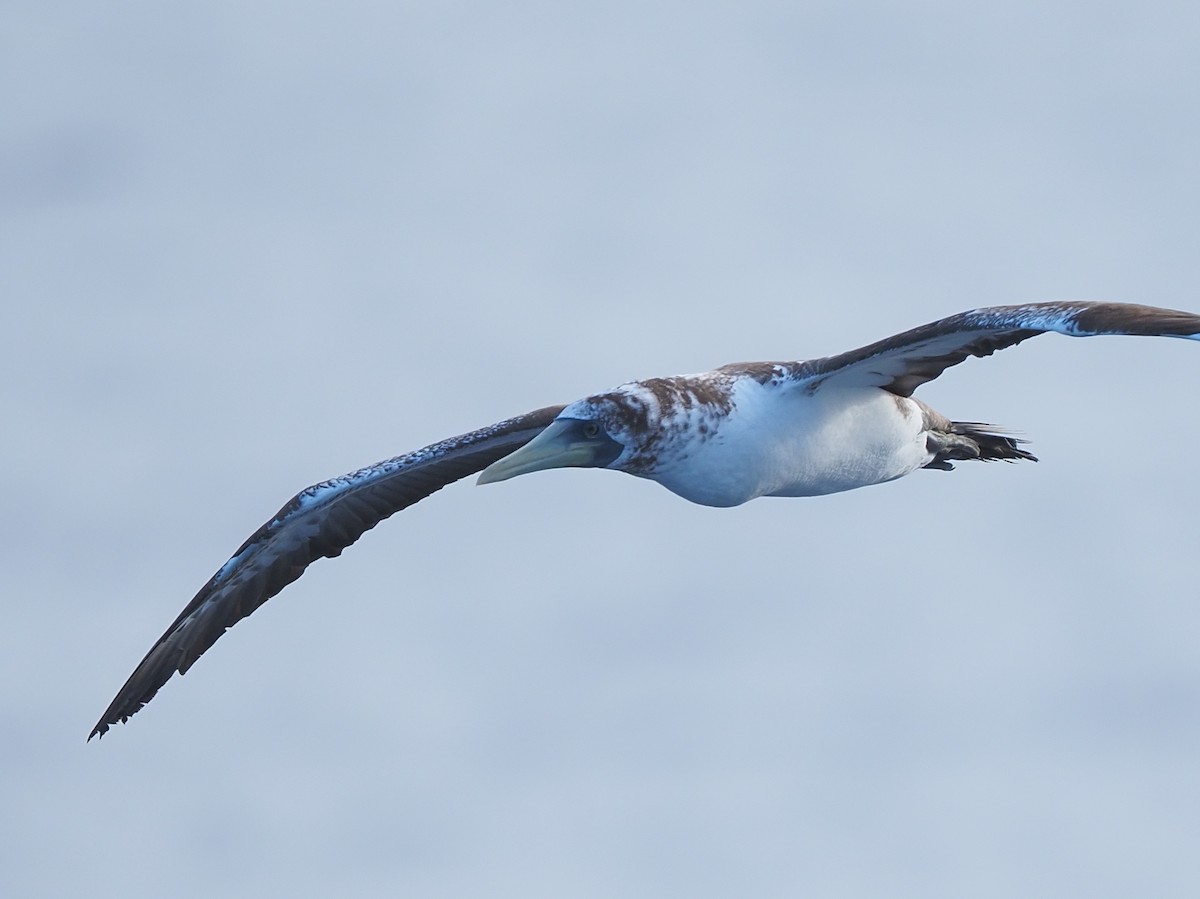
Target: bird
[{"x": 719, "y": 438}]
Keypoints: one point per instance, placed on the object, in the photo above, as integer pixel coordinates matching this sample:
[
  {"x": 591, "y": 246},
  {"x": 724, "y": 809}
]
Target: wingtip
[
  {"x": 105, "y": 724},
  {"x": 102, "y": 727}
]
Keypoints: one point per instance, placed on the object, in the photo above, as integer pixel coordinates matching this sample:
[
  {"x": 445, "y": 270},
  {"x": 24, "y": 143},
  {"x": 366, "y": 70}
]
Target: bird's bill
[{"x": 561, "y": 445}]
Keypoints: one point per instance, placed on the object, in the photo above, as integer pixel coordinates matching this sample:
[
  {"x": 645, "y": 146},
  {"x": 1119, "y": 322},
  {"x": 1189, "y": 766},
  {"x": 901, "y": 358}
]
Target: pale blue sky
[{"x": 247, "y": 247}]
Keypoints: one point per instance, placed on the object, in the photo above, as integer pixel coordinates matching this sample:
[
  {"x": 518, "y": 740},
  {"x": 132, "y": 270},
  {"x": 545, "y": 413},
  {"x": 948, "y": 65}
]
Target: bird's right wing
[{"x": 320, "y": 521}]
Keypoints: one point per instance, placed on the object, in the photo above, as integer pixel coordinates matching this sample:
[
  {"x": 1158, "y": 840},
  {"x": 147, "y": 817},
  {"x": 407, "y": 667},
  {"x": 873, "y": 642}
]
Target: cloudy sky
[{"x": 245, "y": 247}]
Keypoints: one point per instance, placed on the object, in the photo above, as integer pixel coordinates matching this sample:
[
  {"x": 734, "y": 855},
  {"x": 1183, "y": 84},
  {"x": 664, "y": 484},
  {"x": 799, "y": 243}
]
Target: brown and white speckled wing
[
  {"x": 320, "y": 521},
  {"x": 902, "y": 363}
]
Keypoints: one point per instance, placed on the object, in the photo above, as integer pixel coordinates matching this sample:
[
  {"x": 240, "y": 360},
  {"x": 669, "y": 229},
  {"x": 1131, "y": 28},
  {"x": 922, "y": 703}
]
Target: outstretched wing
[
  {"x": 902, "y": 363},
  {"x": 321, "y": 520}
]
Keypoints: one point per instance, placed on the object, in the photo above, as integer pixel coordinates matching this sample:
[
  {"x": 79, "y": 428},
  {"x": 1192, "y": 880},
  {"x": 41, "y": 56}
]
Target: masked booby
[{"x": 719, "y": 438}]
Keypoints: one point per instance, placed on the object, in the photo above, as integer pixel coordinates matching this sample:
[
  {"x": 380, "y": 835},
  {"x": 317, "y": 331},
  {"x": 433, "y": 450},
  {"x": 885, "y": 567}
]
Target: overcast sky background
[{"x": 245, "y": 247}]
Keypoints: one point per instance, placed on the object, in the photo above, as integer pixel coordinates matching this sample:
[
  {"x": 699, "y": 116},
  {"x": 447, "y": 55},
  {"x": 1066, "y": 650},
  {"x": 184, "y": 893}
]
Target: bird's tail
[{"x": 959, "y": 440}]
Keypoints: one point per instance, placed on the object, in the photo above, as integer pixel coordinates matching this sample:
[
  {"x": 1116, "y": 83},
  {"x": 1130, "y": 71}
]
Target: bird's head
[{"x": 597, "y": 432}]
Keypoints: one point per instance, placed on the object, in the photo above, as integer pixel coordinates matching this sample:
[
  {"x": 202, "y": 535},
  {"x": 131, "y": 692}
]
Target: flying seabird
[{"x": 719, "y": 438}]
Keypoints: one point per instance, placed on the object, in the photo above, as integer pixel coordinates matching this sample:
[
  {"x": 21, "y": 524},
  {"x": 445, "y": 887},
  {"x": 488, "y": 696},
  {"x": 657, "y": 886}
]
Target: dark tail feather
[{"x": 973, "y": 440}]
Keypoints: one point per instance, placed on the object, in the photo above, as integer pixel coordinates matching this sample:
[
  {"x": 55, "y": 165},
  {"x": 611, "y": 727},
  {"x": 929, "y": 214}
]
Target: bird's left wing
[
  {"x": 320, "y": 521},
  {"x": 903, "y": 362}
]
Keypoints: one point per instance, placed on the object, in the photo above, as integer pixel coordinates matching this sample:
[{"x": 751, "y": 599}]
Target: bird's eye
[{"x": 591, "y": 430}]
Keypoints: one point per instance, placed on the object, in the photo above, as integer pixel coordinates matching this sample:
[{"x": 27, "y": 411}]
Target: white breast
[{"x": 788, "y": 442}]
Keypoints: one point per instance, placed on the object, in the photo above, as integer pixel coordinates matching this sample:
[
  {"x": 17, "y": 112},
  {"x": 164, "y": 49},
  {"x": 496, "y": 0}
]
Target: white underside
[{"x": 793, "y": 443}]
